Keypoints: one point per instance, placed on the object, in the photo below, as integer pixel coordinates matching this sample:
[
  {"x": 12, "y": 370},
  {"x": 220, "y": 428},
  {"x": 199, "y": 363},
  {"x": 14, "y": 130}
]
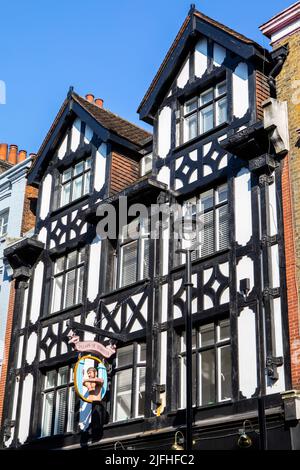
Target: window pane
[
  {"x": 123, "y": 384},
  {"x": 71, "y": 259},
  {"x": 129, "y": 263},
  {"x": 50, "y": 379},
  {"x": 206, "y": 200},
  {"x": 222, "y": 110},
  {"x": 87, "y": 183},
  {"x": 222, "y": 217},
  {"x": 207, "y": 335},
  {"x": 78, "y": 168},
  {"x": 182, "y": 380},
  {"x": 71, "y": 409},
  {"x": 79, "y": 288},
  {"x": 88, "y": 163},
  {"x": 142, "y": 352},
  {"x": 60, "y": 411},
  {"x": 3, "y": 223},
  {"x": 190, "y": 127},
  {"x": 225, "y": 373},
  {"x": 47, "y": 414},
  {"x": 207, "y": 234},
  {"x": 222, "y": 194},
  {"x": 124, "y": 356},
  {"x": 190, "y": 106},
  {"x": 69, "y": 289},
  {"x": 224, "y": 330},
  {"x": 59, "y": 265},
  {"x": 141, "y": 371},
  {"x": 206, "y": 97},
  {"x": 63, "y": 375},
  {"x": 145, "y": 257},
  {"x": 77, "y": 187},
  {"x": 56, "y": 293},
  {"x": 208, "y": 394},
  {"x": 65, "y": 194},
  {"x": 194, "y": 341},
  {"x": 221, "y": 89},
  {"x": 66, "y": 176},
  {"x": 206, "y": 119}
]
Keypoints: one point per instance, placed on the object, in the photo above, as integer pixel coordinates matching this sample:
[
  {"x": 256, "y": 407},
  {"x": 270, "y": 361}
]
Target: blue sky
[{"x": 109, "y": 48}]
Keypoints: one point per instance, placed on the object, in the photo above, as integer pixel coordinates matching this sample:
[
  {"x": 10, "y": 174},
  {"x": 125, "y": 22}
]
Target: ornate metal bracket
[{"x": 271, "y": 366}]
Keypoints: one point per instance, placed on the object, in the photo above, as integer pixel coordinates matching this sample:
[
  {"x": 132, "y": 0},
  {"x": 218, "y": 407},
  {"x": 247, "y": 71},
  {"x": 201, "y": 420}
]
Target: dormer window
[
  {"x": 75, "y": 182},
  {"x": 202, "y": 113}
]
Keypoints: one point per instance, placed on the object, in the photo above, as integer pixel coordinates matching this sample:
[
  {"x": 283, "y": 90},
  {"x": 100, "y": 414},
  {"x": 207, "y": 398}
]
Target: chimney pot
[
  {"x": 12, "y": 155},
  {"x": 3, "y": 152},
  {"x": 89, "y": 97},
  {"x": 22, "y": 155},
  {"x": 99, "y": 102}
]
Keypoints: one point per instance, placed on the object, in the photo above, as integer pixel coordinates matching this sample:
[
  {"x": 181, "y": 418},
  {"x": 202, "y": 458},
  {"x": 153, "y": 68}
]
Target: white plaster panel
[
  {"x": 100, "y": 167},
  {"x": 88, "y": 134},
  {"x": 24, "y": 309},
  {"x": 279, "y": 385},
  {"x": 164, "y": 303},
  {"x": 46, "y": 195},
  {"x": 201, "y": 57},
  {"x": 94, "y": 269},
  {"x": 164, "y": 131},
  {"x": 207, "y": 302},
  {"x": 243, "y": 212},
  {"x": 219, "y": 55},
  {"x": 42, "y": 235},
  {"x": 164, "y": 175},
  {"x": 25, "y": 408},
  {"x": 62, "y": 148},
  {"x": 184, "y": 75},
  {"x": 240, "y": 90},
  {"x": 163, "y": 357},
  {"x": 165, "y": 247},
  {"x": 275, "y": 266},
  {"x": 20, "y": 351},
  {"x": 245, "y": 269},
  {"x": 247, "y": 352},
  {"x": 16, "y": 396},
  {"x": 273, "y": 209},
  {"x": 75, "y": 138},
  {"x": 31, "y": 348}
]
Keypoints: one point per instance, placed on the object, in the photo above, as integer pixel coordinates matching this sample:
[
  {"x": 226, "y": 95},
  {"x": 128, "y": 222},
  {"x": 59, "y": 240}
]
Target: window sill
[
  {"x": 115, "y": 424},
  {"x": 200, "y": 260},
  {"x": 61, "y": 312},
  {"x": 197, "y": 139},
  {"x": 120, "y": 290},
  {"x": 70, "y": 205}
]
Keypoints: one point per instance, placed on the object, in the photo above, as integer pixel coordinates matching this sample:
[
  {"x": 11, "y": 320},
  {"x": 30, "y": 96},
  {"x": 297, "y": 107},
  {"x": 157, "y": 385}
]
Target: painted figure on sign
[{"x": 94, "y": 384}]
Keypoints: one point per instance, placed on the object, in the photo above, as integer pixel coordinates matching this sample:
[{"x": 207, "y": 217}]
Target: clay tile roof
[
  {"x": 209, "y": 20},
  {"x": 114, "y": 123}
]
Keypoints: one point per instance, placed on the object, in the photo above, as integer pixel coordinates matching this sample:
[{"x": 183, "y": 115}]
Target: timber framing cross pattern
[{"x": 239, "y": 152}]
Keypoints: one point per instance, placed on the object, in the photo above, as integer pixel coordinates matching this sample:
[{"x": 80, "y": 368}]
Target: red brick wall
[
  {"x": 8, "y": 331},
  {"x": 30, "y": 199},
  {"x": 262, "y": 92},
  {"x": 124, "y": 172}
]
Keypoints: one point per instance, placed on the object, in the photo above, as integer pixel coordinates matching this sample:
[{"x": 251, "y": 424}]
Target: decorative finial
[
  {"x": 192, "y": 8},
  {"x": 71, "y": 89}
]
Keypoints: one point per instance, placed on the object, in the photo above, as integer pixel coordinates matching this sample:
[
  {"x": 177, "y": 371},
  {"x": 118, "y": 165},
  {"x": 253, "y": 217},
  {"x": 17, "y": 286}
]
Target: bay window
[
  {"x": 134, "y": 248},
  {"x": 58, "y": 402},
  {"x": 75, "y": 182},
  {"x": 211, "y": 364},
  {"x": 67, "y": 280},
  {"x": 129, "y": 382},
  {"x": 202, "y": 113}
]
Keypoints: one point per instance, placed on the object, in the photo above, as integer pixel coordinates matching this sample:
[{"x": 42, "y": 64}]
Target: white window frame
[
  {"x": 4, "y": 216},
  {"x": 84, "y": 175}
]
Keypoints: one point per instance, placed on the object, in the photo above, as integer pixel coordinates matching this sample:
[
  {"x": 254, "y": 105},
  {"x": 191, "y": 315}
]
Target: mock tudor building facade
[{"x": 219, "y": 143}]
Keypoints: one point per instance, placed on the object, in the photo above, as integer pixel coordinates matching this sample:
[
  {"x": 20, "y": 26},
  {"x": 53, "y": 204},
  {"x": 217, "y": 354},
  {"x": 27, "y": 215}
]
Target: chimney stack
[
  {"x": 13, "y": 153},
  {"x": 22, "y": 156},
  {"x": 99, "y": 102},
  {"x": 89, "y": 97},
  {"x": 3, "y": 152}
]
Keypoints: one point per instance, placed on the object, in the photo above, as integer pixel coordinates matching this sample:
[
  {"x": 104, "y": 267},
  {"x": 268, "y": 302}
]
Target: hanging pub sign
[
  {"x": 90, "y": 379},
  {"x": 93, "y": 347}
]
